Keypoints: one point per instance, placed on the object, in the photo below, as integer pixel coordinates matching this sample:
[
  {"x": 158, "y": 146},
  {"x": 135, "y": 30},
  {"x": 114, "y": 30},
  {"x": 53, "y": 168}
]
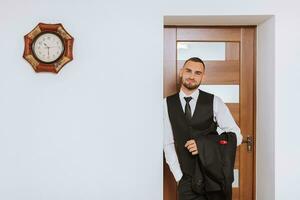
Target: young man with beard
[{"x": 192, "y": 108}]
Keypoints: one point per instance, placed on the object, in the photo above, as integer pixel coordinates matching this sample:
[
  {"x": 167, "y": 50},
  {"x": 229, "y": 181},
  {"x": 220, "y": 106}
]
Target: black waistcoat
[{"x": 184, "y": 130}]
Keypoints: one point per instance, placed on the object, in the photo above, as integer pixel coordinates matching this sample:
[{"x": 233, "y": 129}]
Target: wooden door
[{"x": 233, "y": 67}]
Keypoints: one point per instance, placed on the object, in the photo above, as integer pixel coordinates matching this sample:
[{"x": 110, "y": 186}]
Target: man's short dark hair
[{"x": 195, "y": 59}]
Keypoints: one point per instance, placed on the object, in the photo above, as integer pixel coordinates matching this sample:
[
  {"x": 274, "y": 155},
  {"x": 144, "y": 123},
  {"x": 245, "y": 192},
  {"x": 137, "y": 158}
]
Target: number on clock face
[{"x": 48, "y": 47}]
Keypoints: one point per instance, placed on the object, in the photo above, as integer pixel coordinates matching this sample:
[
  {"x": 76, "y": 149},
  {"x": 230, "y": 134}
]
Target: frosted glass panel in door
[
  {"x": 228, "y": 93},
  {"x": 204, "y": 50}
]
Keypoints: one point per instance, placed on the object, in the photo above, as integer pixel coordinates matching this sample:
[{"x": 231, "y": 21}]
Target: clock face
[{"x": 48, "y": 47}]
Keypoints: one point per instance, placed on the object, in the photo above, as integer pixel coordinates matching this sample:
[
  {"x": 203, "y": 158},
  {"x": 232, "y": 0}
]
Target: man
[{"x": 191, "y": 108}]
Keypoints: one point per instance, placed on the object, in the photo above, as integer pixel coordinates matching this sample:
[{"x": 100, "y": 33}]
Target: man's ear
[
  {"x": 180, "y": 73},
  {"x": 203, "y": 77}
]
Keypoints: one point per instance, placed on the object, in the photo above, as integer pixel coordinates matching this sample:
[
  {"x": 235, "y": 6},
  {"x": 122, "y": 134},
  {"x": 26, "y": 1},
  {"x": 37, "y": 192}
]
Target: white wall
[
  {"x": 265, "y": 106},
  {"x": 287, "y": 76},
  {"x": 94, "y": 131}
]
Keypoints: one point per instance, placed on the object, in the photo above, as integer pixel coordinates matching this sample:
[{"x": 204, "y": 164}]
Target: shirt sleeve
[
  {"x": 169, "y": 146},
  {"x": 225, "y": 120}
]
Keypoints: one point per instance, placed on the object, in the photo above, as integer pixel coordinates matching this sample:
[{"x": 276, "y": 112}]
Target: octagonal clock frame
[{"x": 62, "y": 53}]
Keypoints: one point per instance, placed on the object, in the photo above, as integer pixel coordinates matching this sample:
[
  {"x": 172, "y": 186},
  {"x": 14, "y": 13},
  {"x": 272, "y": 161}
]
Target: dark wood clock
[{"x": 48, "y": 47}]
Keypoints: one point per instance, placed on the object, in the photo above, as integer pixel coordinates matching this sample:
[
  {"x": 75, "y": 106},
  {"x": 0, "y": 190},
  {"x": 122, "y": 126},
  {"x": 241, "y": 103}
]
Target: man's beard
[{"x": 190, "y": 86}]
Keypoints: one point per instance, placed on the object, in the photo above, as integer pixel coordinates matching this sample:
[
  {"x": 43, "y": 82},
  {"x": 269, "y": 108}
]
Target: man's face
[{"x": 191, "y": 74}]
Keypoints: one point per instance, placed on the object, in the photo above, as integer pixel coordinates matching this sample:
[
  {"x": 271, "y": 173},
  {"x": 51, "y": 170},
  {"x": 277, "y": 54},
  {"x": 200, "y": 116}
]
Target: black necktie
[{"x": 187, "y": 109}]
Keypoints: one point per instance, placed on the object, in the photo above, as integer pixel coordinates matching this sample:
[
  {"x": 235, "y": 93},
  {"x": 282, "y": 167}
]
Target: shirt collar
[{"x": 194, "y": 95}]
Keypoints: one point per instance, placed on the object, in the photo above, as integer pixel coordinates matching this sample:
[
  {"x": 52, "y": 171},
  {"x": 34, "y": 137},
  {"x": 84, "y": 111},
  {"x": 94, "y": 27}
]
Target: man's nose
[{"x": 192, "y": 76}]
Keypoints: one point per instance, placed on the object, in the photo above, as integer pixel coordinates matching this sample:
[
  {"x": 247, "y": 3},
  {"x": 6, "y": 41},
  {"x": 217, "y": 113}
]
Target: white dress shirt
[{"x": 222, "y": 116}]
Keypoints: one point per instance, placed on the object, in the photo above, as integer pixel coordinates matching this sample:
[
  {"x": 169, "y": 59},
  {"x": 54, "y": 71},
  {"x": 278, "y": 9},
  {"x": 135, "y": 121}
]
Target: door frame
[{"x": 247, "y": 34}]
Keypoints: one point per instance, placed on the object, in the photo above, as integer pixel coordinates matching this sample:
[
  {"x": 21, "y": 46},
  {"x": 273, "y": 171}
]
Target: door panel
[
  {"x": 209, "y": 34},
  {"x": 235, "y": 68}
]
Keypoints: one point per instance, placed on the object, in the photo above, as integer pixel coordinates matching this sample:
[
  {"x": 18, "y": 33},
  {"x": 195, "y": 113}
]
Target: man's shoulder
[
  {"x": 175, "y": 95},
  {"x": 216, "y": 97},
  {"x": 171, "y": 99},
  {"x": 218, "y": 100},
  {"x": 204, "y": 93}
]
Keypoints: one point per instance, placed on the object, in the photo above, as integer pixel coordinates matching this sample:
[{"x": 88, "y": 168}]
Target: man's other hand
[{"x": 192, "y": 147}]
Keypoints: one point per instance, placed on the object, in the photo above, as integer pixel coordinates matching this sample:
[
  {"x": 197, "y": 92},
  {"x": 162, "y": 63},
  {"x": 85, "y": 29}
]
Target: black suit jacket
[{"x": 215, "y": 163}]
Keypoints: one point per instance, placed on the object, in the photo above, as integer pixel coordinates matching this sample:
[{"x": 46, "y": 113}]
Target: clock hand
[{"x": 45, "y": 45}]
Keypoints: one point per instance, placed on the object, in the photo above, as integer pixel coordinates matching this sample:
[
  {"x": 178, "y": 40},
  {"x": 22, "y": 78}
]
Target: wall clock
[{"x": 48, "y": 47}]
